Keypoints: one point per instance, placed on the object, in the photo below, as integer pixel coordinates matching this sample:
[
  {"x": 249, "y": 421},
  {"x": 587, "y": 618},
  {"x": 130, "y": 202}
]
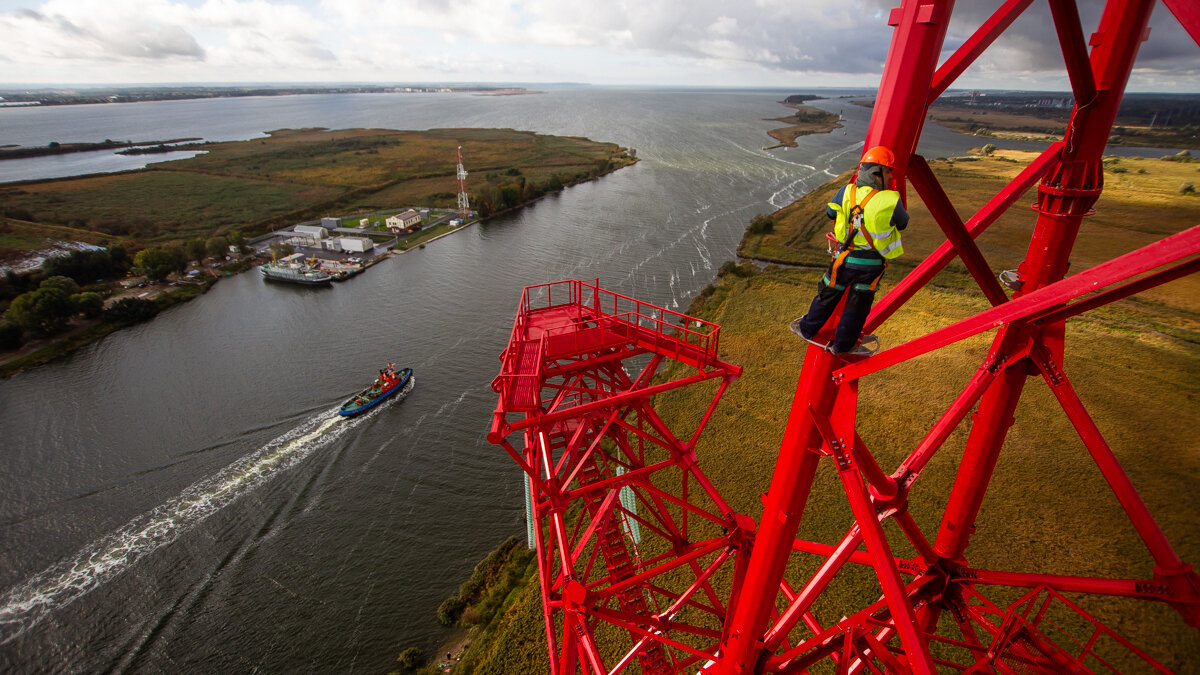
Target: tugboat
[
  {"x": 296, "y": 273},
  {"x": 388, "y": 383}
]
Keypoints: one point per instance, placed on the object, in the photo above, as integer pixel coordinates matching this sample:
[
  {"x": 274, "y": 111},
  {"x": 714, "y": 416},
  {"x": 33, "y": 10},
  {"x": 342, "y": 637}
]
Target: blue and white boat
[{"x": 388, "y": 383}]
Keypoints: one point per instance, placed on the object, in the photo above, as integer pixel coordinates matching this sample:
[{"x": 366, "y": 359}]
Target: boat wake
[{"x": 27, "y": 603}]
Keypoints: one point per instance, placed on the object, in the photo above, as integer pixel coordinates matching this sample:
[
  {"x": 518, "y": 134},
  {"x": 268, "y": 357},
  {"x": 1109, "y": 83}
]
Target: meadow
[{"x": 299, "y": 174}]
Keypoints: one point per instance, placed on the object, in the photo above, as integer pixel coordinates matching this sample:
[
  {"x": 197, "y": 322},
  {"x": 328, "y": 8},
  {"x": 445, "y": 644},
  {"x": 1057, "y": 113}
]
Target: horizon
[{"x": 532, "y": 87}]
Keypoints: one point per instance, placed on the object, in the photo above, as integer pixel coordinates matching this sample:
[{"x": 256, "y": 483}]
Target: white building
[
  {"x": 403, "y": 221},
  {"x": 356, "y": 244},
  {"x": 331, "y": 223},
  {"x": 315, "y": 231}
]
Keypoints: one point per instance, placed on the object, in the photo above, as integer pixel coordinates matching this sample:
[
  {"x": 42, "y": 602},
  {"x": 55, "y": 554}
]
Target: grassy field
[
  {"x": 1135, "y": 364},
  {"x": 1048, "y": 124},
  {"x": 296, "y": 175}
]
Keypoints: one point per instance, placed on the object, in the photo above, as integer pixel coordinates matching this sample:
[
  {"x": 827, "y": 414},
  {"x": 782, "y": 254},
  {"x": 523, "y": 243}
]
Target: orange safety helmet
[{"x": 880, "y": 155}]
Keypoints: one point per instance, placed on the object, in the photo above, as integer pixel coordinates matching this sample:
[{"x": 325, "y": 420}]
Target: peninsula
[{"x": 179, "y": 218}]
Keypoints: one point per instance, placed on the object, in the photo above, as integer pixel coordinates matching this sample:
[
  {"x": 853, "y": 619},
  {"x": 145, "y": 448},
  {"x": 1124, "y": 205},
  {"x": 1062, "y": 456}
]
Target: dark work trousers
[{"x": 855, "y": 280}]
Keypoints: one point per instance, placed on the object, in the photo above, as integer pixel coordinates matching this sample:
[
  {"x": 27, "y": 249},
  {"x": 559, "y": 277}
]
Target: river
[{"x": 181, "y": 496}]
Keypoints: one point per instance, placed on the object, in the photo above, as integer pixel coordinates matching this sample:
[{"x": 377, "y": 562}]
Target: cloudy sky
[{"x": 769, "y": 43}]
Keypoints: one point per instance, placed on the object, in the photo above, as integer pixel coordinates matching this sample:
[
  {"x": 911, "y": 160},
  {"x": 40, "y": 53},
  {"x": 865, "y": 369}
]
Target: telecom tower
[
  {"x": 703, "y": 589},
  {"x": 464, "y": 207}
]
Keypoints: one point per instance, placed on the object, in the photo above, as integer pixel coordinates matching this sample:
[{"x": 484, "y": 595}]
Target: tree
[
  {"x": 217, "y": 247},
  {"x": 988, "y": 149},
  {"x": 130, "y": 310},
  {"x": 510, "y": 196},
  {"x": 10, "y": 335},
  {"x": 196, "y": 249},
  {"x": 236, "y": 238},
  {"x": 450, "y": 609},
  {"x": 65, "y": 284},
  {"x": 119, "y": 257},
  {"x": 88, "y": 304},
  {"x": 41, "y": 312},
  {"x": 412, "y": 658},
  {"x": 157, "y": 263}
]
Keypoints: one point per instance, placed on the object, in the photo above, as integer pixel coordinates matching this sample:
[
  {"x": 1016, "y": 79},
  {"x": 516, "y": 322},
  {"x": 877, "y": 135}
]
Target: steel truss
[{"x": 601, "y": 463}]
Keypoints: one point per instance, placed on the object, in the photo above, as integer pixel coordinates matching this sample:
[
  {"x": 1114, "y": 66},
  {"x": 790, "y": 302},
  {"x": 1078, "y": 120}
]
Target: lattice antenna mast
[{"x": 464, "y": 206}]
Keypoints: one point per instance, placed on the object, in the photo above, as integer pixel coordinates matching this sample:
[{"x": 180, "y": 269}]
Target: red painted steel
[
  {"x": 708, "y": 590},
  {"x": 630, "y": 532}
]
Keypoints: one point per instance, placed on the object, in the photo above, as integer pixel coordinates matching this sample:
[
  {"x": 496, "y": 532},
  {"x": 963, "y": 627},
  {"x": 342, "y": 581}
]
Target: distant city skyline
[{"x": 766, "y": 43}]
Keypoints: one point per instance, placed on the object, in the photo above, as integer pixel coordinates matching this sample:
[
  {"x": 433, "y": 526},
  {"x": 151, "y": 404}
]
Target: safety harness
[{"x": 855, "y": 223}]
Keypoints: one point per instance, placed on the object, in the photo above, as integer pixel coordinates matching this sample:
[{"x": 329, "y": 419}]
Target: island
[
  {"x": 165, "y": 233},
  {"x": 806, "y": 120}
]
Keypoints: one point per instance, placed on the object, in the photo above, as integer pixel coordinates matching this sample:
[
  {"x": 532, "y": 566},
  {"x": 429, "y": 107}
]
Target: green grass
[
  {"x": 295, "y": 175},
  {"x": 162, "y": 205}
]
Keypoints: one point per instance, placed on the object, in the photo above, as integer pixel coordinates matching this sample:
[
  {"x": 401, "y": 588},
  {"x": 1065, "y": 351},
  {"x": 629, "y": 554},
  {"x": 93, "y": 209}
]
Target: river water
[{"x": 182, "y": 496}]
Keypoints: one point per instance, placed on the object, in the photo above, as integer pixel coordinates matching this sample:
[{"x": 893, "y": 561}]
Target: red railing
[{"x": 595, "y": 318}]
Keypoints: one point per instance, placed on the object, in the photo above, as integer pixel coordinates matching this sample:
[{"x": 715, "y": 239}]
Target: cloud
[
  {"x": 1030, "y": 47},
  {"x": 827, "y": 42},
  {"x": 96, "y": 36}
]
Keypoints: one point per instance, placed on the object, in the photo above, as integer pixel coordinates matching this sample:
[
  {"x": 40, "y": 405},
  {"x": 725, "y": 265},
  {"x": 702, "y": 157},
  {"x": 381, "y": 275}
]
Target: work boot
[
  {"x": 862, "y": 348},
  {"x": 795, "y": 326}
]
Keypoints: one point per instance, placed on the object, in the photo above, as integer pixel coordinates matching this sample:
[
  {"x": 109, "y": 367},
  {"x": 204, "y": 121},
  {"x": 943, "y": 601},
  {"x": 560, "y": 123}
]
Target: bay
[{"x": 181, "y": 496}]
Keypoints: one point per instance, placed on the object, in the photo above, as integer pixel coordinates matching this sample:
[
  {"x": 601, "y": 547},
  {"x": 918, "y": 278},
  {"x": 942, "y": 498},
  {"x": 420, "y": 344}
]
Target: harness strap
[
  {"x": 852, "y": 226},
  {"x": 876, "y": 282},
  {"x": 837, "y": 264}
]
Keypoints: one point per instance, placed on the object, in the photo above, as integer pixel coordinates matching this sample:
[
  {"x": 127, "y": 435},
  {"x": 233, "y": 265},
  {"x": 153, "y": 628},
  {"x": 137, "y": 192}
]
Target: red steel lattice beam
[{"x": 590, "y": 432}]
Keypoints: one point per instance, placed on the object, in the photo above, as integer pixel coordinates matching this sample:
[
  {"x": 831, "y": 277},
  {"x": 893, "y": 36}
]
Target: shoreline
[
  {"x": 45, "y": 351},
  {"x": 806, "y": 121}
]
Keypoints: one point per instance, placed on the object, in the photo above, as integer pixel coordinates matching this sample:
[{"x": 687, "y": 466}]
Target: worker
[{"x": 868, "y": 218}]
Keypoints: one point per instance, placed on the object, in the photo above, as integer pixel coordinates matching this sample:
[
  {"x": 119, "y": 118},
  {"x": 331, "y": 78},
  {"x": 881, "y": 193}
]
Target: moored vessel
[{"x": 296, "y": 272}]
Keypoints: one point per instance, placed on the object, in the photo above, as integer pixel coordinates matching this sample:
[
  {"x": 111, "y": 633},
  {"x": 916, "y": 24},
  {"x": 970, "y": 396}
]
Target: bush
[
  {"x": 450, "y": 609},
  {"x": 730, "y": 267},
  {"x": 130, "y": 310},
  {"x": 41, "y": 312},
  {"x": 88, "y": 304},
  {"x": 64, "y": 284},
  {"x": 10, "y": 335},
  {"x": 470, "y": 616},
  {"x": 988, "y": 150},
  {"x": 1187, "y": 189},
  {"x": 157, "y": 263},
  {"x": 86, "y": 267},
  {"x": 761, "y": 224},
  {"x": 412, "y": 658}
]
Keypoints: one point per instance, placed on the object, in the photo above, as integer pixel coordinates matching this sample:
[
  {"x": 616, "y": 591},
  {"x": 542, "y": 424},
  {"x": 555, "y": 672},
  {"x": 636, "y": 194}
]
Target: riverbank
[
  {"x": 293, "y": 176},
  {"x": 1147, "y": 343}
]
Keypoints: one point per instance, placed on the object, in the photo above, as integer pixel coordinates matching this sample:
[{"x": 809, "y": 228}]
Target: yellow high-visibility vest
[{"x": 877, "y": 219}]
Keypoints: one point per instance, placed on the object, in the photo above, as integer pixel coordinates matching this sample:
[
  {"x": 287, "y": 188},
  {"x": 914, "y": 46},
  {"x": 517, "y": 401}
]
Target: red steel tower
[
  {"x": 599, "y": 459},
  {"x": 464, "y": 206}
]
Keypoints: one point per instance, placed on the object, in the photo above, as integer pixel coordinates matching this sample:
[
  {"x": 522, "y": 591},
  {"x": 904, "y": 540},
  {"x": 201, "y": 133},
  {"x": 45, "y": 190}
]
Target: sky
[{"x": 746, "y": 43}]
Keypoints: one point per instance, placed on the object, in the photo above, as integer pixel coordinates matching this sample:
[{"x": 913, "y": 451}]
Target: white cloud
[{"x": 761, "y": 42}]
